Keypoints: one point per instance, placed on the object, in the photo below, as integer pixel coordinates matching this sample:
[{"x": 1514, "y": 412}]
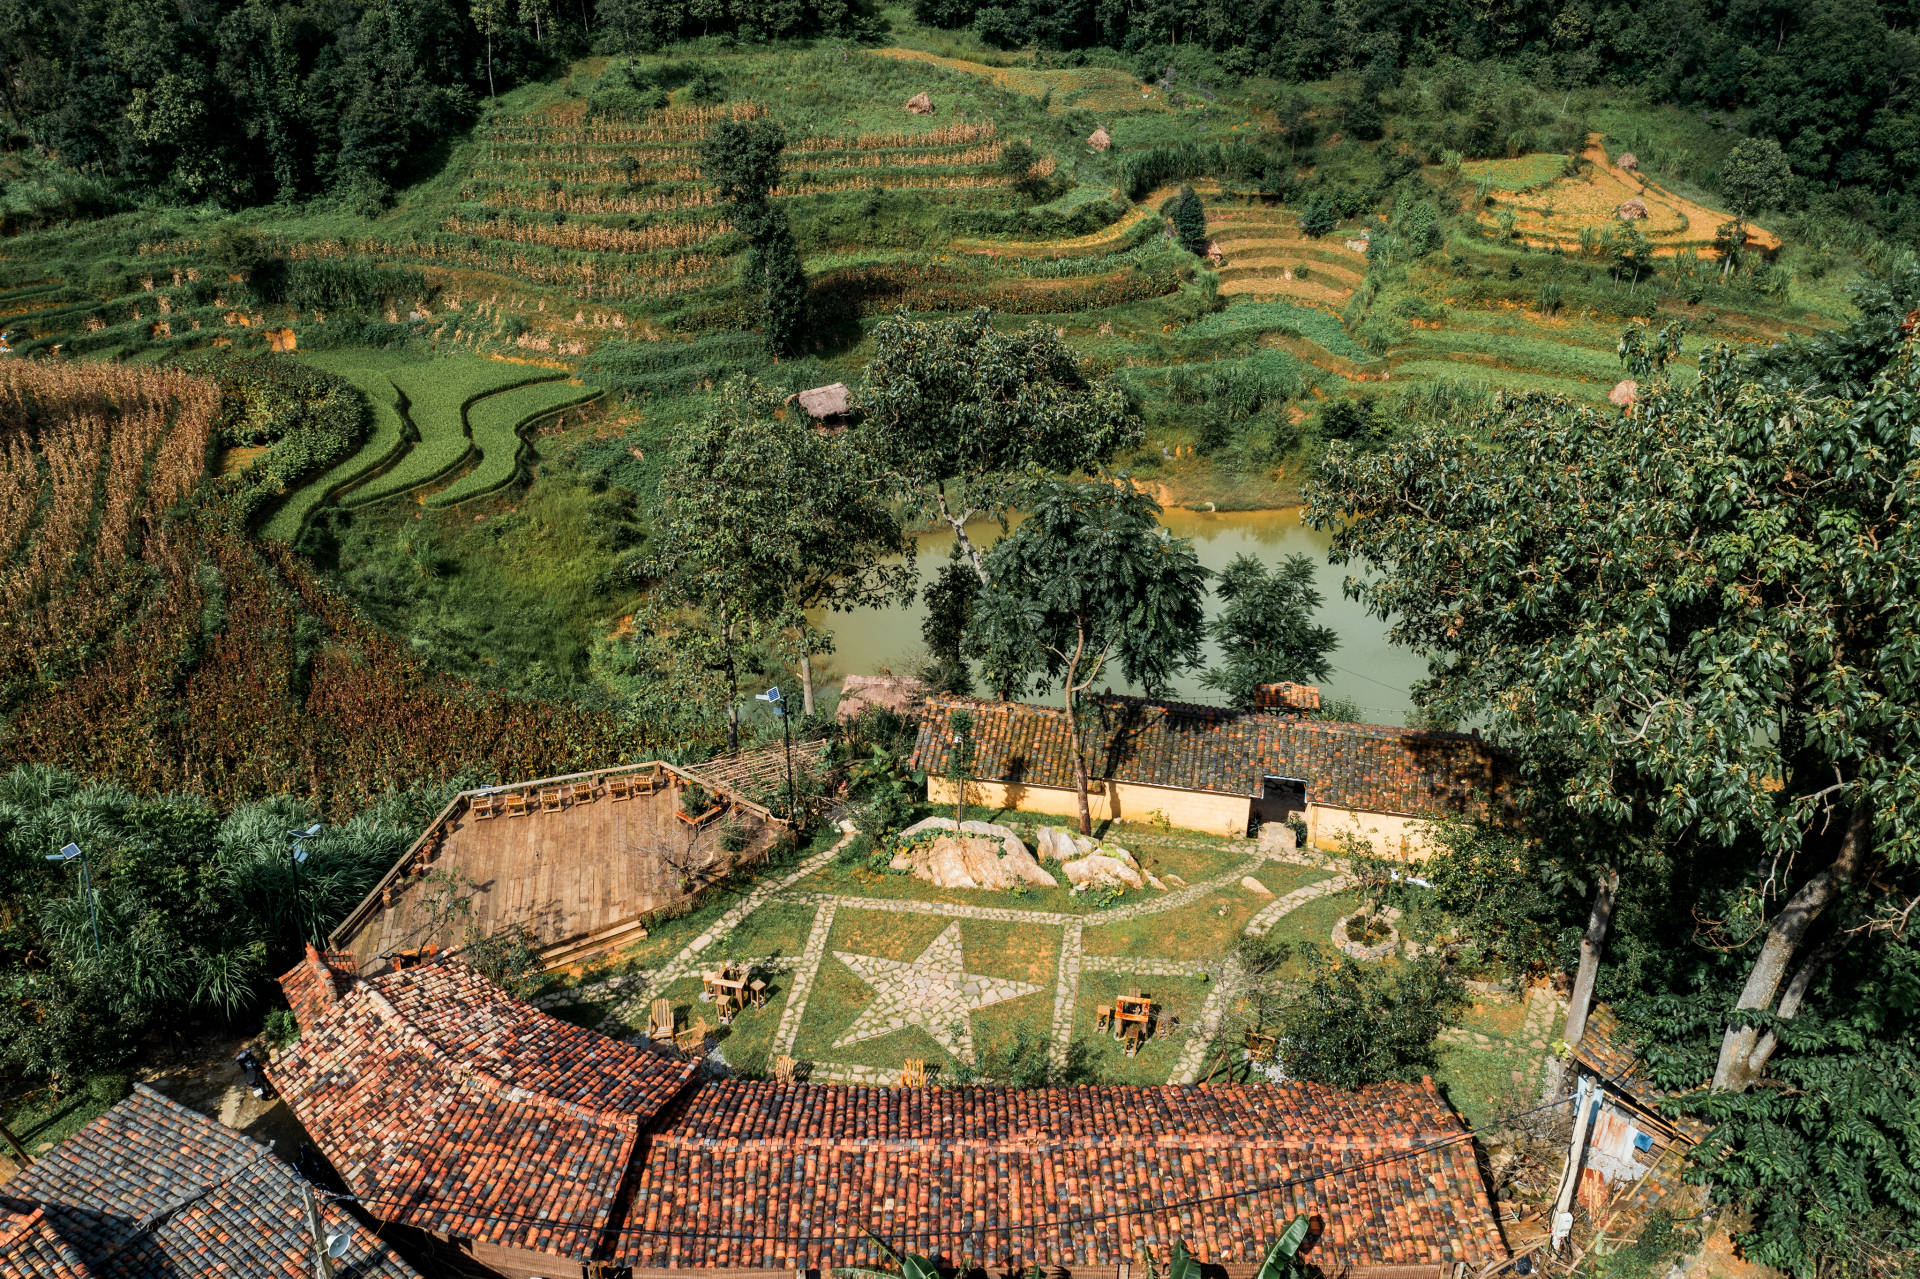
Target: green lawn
[{"x": 1207, "y": 927}]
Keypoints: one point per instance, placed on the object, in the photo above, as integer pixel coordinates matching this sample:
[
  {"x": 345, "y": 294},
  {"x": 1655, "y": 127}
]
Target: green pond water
[{"x": 1367, "y": 668}]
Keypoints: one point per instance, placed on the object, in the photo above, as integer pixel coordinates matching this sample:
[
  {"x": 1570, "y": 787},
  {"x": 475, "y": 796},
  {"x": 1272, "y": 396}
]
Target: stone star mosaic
[{"x": 933, "y": 991}]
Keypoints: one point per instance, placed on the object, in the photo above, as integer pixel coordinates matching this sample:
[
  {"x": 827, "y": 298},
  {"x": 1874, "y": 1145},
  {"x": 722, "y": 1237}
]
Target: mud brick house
[
  {"x": 464, "y": 1118},
  {"x": 152, "y": 1190},
  {"x": 540, "y": 1149},
  {"x": 1213, "y": 769}
]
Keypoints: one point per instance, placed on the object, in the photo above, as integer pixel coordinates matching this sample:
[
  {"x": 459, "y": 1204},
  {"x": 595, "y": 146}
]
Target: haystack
[
  {"x": 1214, "y": 255},
  {"x": 1634, "y": 208},
  {"x": 1628, "y": 161},
  {"x": 920, "y": 104},
  {"x": 1099, "y": 140},
  {"x": 1624, "y": 394}
]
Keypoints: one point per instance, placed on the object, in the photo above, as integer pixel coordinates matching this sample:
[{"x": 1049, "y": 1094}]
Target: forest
[{"x": 406, "y": 396}]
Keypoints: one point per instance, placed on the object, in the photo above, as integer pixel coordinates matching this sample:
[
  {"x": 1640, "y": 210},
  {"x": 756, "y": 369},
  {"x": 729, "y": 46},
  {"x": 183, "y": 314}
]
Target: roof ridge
[
  {"x": 1413, "y": 1141},
  {"x": 466, "y": 1072}
]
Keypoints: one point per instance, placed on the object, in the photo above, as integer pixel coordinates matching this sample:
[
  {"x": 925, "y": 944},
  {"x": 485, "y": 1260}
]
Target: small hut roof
[
  {"x": 824, "y": 401},
  {"x": 1628, "y": 161}
]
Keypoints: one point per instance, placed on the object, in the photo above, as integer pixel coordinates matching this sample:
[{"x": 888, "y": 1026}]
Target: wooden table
[
  {"x": 726, "y": 989},
  {"x": 1132, "y": 1017}
]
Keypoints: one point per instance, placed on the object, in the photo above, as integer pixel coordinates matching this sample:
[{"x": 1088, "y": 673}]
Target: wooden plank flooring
[{"x": 561, "y": 875}]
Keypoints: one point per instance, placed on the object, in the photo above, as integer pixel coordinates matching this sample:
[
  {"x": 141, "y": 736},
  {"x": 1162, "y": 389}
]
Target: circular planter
[{"x": 1379, "y": 950}]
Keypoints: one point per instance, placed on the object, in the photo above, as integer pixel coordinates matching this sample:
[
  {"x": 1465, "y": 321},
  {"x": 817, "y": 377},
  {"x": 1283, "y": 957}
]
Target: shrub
[
  {"x": 280, "y": 1027},
  {"x": 110, "y": 1087},
  {"x": 1357, "y": 1024}
]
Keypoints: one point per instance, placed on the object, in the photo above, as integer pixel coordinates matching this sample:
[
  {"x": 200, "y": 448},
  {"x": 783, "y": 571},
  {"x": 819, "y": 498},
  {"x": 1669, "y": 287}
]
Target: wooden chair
[
  {"x": 783, "y": 1070},
  {"x": 580, "y": 792},
  {"x": 620, "y": 786},
  {"x": 1102, "y": 1018},
  {"x": 515, "y": 804},
  {"x": 660, "y": 1020},
  {"x": 759, "y": 989},
  {"x": 483, "y": 805},
  {"x": 914, "y": 1073},
  {"x": 550, "y": 800},
  {"x": 694, "y": 1038}
]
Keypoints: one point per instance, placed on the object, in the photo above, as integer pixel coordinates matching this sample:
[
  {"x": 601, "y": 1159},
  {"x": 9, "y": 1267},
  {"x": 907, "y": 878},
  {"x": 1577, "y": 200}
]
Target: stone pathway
[
  {"x": 1145, "y": 967},
  {"x": 803, "y": 975},
  {"x": 1271, "y": 913},
  {"x": 1066, "y": 993},
  {"x": 1545, "y": 1014}
]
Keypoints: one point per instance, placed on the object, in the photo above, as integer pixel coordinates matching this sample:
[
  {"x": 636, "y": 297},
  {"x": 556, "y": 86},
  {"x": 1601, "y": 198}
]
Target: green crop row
[
  {"x": 1315, "y": 326},
  {"x": 385, "y": 443},
  {"x": 436, "y": 395},
  {"x": 495, "y": 423}
]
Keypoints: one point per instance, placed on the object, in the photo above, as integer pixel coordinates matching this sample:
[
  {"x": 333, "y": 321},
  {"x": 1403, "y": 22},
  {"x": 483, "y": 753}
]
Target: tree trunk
[
  {"x": 1073, "y": 731},
  {"x": 1783, "y": 939},
  {"x": 806, "y": 681},
  {"x": 733, "y": 683},
  {"x": 960, "y": 531},
  {"x": 490, "y": 92},
  {"x": 1590, "y": 947},
  {"x": 1796, "y": 994}
]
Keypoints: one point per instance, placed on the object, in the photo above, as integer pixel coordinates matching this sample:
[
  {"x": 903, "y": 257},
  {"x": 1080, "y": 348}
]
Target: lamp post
[
  {"x": 299, "y": 855},
  {"x": 67, "y": 854},
  {"x": 772, "y": 696}
]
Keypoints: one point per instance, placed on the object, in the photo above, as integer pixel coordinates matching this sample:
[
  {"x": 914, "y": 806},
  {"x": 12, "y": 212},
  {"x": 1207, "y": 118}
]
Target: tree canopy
[{"x": 1265, "y": 632}]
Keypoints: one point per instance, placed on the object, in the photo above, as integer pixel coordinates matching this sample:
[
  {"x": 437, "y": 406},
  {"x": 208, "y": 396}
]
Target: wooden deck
[{"x": 588, "y": 868}]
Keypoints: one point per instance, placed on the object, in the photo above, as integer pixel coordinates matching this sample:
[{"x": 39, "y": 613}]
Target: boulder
[
  {"x": 1253, "y": 885},
  {"x": 929, "y": 823},
  {"x": 984, "y": 867},
  {"x": 1633, "y": 209},
  {"x": 1153, "y": 881},
  {"x": 920, "y": 104},
  {"x": 902, "y": 861},
  {"x": 943, "y": 863},
  {"x": 1055, "y": 844},
  {"x": 1176, "y": 881},
  {"x": 1097, "y": 870},
  {"x": 1628, "y": 161},
  {"x": 1114, "y": 850}
]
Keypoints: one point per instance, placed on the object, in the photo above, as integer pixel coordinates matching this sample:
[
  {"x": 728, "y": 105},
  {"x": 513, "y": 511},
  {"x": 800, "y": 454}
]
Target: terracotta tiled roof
[
  {"x": 1605, "y": 1049},
  {"x": 450, "y": 1105},
  {"x": 1210, "y": 748},
  {"x": 152, "y": 1190},
  {"x": 796, "y": 1172},
  {"x": 316, "y": 984}
]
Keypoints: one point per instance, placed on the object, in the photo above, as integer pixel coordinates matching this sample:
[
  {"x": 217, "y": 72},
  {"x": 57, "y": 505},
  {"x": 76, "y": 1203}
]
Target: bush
[
  {"x": 1357, "y": 1024},
  {"x": 280, "y": 1027},
  {"x": 110, "y": 1088}
]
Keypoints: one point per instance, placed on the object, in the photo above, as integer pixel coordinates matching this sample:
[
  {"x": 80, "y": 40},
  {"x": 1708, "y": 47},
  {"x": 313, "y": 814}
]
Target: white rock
[
  {"x": 1175, "y": 880},
  {"x": 984, "y": 865},
  {"x": 1253, "y": 885},
  {"x": 928, "y": 823},
  {"x": 1019, "y": 862},
  {"x": 1114, "y": 850},
  {"x": 1153, "y": 881},
  {"x": 1056, "y": 845},
  {"x": 1081, "y": 844},
  {"x": 946, "y": 865},
  {"x": 1097, "y": 868},
  {"x": 902, "y": 861}
]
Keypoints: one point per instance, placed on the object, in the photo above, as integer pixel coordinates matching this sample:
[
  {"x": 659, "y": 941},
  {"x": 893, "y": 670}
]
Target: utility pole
[{"x": 322, "y": 1249}]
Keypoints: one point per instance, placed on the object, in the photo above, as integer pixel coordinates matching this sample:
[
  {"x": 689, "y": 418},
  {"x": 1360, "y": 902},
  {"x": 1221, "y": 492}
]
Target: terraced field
[
  {"x": 1559, "y": 211},
  {"x": 1266, "y": 256},
  {"x": 1102, "y": 90}
]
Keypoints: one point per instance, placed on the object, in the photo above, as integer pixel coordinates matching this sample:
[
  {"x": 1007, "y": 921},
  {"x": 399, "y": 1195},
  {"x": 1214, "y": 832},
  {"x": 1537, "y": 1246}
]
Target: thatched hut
[
  {"x": 1624, "y": 394},
  {"x": 920, "y": 104}
]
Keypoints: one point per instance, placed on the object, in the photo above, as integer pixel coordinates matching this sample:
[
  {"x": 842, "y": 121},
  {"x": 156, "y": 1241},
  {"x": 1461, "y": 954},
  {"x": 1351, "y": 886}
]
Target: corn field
[
  {"x": 545, "y": 201},
  {"x": 594, "y": 239},
  {"x": 582, "y": 278},
  {"x": 532, "y": 171},
  {"x": 952, "y": 135},
  {"x": 675, "y": 124}
]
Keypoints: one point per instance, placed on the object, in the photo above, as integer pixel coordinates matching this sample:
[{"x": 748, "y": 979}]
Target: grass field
[{"x": 495, "y": 423}]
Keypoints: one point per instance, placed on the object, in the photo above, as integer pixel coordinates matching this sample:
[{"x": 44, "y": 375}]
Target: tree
[
  {"x": 1016, "y": 165},
  {"x": 1090, "y": 578},
  {"x": 1754, "y": 177},
  {"x": 1265, "y": 632},
  {"x": 961, "y": 413},
  {"x": 742, "y": 159},
  {"x": 489, "y": 16},
  {"x": 1319, "y": 217},
  {"x": 950, "y": 600},
  {"x": 1189, "y": 216},
  {"x": 763, "y": 519},
  {"x": 1694, "y": 622},
  {"x": 960, "y": 760},
  {"x": 1357, "y": 1024}
]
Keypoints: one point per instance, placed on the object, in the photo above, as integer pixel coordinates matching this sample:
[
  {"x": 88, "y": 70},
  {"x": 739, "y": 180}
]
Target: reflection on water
[{"x": 1367, "y": 669}]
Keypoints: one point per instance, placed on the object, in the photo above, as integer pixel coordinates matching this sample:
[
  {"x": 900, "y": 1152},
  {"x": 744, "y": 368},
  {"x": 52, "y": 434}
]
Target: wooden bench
[{"x": 515, "y": 804}]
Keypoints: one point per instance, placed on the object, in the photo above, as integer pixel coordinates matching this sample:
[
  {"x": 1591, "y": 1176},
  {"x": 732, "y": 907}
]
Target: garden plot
[
  {"x": 1560, "y": 211},
  {"x": 1098, "y": 89},
  {"x": 383, "y": 445}
]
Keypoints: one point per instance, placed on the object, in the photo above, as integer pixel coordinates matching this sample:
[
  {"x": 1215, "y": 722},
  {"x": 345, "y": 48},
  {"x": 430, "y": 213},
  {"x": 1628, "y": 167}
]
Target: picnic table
[{"x": 725, "y": 989}]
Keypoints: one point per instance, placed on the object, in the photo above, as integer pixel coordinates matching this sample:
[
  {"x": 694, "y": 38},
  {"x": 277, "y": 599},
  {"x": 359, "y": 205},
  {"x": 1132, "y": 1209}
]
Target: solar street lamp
[
  {"x": 67, "y": 854},
  {"x": 772, "y": 697},
  {"x": 299, "y": 857}
]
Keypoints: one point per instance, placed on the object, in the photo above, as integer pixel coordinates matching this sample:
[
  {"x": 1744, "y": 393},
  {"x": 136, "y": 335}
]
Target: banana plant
[
  {"x": 1283, "y": 1257},
  {"x": 1183, "y": 1265}
]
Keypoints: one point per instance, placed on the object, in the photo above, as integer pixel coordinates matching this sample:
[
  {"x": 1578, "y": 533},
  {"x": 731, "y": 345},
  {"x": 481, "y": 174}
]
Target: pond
[{"x": 1366, "y": 668}]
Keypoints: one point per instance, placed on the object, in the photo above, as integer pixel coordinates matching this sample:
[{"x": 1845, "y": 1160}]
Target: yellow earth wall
[
  {"x": 1215, "y": 814},
  {"x": 1404, "y": 838}
]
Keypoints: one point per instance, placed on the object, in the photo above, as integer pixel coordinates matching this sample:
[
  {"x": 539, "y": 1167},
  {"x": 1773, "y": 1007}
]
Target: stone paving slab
[
  {"x": 1066, "y": 993},
  {"x": 803, "y": 974},
  {"x": 1146, "y": 967}
]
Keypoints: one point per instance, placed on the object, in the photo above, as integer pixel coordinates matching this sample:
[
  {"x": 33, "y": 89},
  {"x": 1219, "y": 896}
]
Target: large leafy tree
[
  {"x": 742, "y": 159},
  {"x": 1697, "y": 621},
  {"x": 1266, "y": 633},
  {"x": 963, "y": 413},
  {"x": 764, "y": 519},
  {"x": 1089, "y": 579}
]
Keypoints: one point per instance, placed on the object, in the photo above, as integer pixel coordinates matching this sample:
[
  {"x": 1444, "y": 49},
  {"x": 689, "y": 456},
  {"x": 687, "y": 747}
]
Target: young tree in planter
[
  {"x": 1090, "y": 579},
  {"x": 1265, "y": 632},
  {"x": 960, "y": 760},
  {"x": 763, "y": 519},
  {"x": 961, "y": 413}
]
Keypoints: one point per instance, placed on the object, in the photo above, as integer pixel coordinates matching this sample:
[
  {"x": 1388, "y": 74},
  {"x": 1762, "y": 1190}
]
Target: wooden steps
[{"x": 576, "y": 949}]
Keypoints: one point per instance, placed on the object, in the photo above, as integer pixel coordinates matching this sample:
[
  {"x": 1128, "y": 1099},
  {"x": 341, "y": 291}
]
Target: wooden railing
[{"x": 359, "y": 914}]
